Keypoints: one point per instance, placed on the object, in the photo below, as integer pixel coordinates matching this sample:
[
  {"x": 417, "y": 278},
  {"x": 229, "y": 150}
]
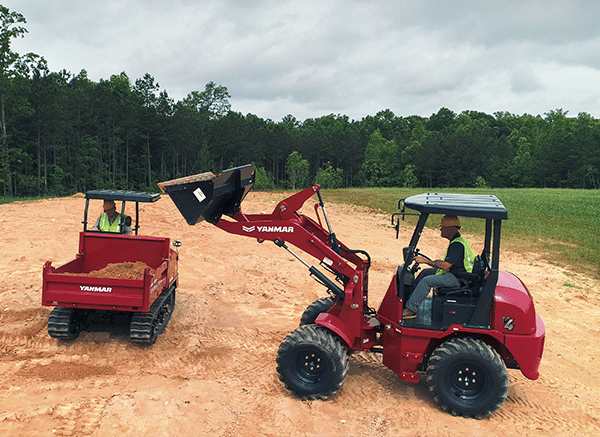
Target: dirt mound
[{"x": 213, "y": 371}]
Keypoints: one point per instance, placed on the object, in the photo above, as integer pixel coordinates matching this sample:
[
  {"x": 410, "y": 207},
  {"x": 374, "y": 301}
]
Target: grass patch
[{"x": 560, "y": 224}]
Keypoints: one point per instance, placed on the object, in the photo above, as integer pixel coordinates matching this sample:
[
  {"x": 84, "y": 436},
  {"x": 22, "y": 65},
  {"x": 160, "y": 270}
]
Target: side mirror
[
  {"x": 127, "y": 221},
  {"x": 177, "y": 243}
]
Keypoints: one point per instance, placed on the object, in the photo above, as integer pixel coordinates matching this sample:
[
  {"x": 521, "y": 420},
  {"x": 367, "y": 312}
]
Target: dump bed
[{"x": 74, "y": 285}]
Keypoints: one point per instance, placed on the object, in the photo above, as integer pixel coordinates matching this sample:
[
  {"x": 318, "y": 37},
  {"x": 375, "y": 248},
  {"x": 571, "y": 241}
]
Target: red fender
[{"x": 336, "y": 325}]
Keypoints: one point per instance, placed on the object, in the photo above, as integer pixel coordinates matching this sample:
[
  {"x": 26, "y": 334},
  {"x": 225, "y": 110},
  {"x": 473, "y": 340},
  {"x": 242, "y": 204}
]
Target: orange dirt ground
[{"x": 212, "y": 373}]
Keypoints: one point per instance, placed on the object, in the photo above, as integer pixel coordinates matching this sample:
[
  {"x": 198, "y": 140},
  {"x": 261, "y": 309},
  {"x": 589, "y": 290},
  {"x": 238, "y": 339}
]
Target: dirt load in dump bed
[
  {"x": 213, "y": 371},
  {"x": 126, "y": 270}
]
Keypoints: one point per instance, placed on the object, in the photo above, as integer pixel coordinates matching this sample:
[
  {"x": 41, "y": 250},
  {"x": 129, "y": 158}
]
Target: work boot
[{"x": 408, "y": 314}]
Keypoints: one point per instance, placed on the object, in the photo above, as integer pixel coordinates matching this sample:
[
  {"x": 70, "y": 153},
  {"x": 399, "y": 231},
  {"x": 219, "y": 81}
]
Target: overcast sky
[{"x": 312, "y": 58}]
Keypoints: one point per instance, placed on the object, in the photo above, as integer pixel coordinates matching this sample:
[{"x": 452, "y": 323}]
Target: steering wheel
[
  {"x": 418, "y": 253},
  {"x": 415, "y": 267}
]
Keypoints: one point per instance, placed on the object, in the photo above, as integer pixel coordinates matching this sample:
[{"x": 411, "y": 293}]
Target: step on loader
[{"x": 463, "y": 340}]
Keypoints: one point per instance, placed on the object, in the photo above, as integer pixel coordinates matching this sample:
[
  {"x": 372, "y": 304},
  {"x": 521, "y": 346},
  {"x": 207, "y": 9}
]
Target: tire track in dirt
[
  {"x": 243, "y": 357},
  {"x": 78, "y": 418},
  {"x": 516, "y": 410},
  {"x": 247, "y": 356},
  {"x": 41, "y": 343},
  {"x": 373, "y": 375},
  {"x": 18, "y": 342},
  {"x": 208, "y": 353},
  {"x": 556, "y": 412}
]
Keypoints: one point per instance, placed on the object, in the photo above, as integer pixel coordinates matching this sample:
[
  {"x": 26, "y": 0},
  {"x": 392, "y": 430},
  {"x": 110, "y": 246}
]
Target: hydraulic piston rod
[{"x": 316, "y": 273}]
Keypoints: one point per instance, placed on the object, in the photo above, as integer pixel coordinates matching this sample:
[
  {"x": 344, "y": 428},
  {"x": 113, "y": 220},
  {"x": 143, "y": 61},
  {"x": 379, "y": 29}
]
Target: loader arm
[
  {"x": 286, "y": 224},
  {"x": 217, "y": 199}
]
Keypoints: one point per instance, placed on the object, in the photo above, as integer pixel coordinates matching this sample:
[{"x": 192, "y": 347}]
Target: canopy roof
[
  {"x": 465, "y": 205},
  {"x": 127, "y": 196}
]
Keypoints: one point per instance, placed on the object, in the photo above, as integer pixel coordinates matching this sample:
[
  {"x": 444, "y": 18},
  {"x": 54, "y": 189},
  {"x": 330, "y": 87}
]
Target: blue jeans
[{"x": 424, "y": 287}]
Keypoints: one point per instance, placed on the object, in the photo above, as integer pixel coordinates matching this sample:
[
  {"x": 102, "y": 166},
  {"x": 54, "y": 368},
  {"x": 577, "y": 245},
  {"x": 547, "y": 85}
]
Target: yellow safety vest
[
  {"x": 468, "y": 258},
  {"x": 105, "y": 225}
]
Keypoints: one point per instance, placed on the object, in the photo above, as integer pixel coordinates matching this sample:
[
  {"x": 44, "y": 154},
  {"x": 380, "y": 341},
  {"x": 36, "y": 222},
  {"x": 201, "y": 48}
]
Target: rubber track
[
  {"x": 59, "y": 323},
  {"x": 140, "y": 328}
]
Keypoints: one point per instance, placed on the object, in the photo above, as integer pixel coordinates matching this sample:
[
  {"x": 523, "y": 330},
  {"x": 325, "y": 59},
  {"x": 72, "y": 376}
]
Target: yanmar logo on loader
[
  {"x": 270, "y": 229},
  {"x": 97, "y": 289}
]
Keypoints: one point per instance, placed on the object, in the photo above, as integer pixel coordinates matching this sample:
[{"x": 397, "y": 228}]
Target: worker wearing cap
[
  {"x": 459, "y": 258},
  {"x": 110, "y": 219}
]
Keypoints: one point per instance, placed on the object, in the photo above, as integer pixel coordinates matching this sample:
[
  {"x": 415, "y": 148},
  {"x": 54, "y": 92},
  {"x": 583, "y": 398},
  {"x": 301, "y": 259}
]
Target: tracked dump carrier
[{"x": 80, "y": 295}]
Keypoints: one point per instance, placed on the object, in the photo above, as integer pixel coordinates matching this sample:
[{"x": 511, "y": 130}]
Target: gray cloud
[{"x": 353, "y": 57}]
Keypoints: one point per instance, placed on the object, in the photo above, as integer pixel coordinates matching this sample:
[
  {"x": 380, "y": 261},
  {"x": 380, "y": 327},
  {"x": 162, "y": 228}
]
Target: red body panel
[
  {"x": 523, "y": 329},
  {"x": 523, "y": 335},
  {"x": 513, "y": 301},
  {"x": 405, "y": 348},
  {"x": 96, "y": 251}
]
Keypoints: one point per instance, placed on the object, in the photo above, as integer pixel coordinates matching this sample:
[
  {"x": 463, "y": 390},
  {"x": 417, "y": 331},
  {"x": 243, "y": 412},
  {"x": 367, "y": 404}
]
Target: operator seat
[
  {"x": 455, "y": 305},
  {"x": 472, "y": 282}
]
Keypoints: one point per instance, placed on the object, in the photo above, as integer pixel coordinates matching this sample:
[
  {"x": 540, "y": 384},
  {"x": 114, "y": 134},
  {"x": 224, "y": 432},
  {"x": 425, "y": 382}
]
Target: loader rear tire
[
  {"x": 314, "y": 309},
  {"x": 312, "y": 362},
  {"x": 467, "y": 377}
]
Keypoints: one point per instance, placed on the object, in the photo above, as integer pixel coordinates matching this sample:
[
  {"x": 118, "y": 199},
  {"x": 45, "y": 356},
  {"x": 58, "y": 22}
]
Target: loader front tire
[
  {"x": 314, "y": 309},
  {"x": 312, "y": 362},
  {"x": 467, "y": 377}
]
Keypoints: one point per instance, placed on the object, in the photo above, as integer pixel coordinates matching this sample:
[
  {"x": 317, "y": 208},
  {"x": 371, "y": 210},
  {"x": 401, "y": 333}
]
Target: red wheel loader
[
  {"x": 79, "y": 297},
  {"x": 463, "y": 339}
]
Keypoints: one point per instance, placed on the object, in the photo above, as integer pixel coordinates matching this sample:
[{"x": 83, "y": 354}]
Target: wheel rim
[
  {"x": 310, "y": 365},
  {"x": 467, "y": 382}
]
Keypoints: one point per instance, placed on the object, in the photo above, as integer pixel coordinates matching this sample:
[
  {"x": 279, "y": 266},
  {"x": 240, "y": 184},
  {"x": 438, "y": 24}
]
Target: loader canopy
[
  {"x": 487, "y": 207},
  {"x": 465, "y": 205},
  {"x": 207, "y": 196}
]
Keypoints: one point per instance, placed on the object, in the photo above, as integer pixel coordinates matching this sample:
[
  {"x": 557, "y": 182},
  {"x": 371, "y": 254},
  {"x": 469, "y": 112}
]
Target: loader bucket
[{"x": 207, "y": 197}]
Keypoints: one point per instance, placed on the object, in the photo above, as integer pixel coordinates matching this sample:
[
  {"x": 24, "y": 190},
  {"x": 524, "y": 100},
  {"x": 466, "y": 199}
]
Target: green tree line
[{"x": 62, "y": 133}]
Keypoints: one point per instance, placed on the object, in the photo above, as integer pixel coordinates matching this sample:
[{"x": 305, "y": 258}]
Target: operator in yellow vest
[
  {"x": 459, "y": 259},
  {"x": 109, "y": 220}
]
